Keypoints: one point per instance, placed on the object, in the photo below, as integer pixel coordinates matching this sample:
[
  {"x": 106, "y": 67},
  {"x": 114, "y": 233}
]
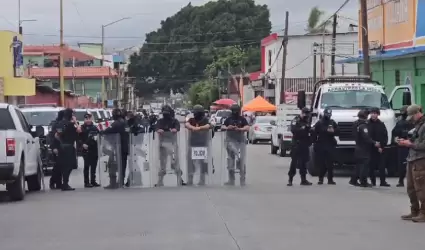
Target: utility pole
[
  {"x": 334, "y": 24},
  {"x": 285, "y": 46},
  {"x": 365, "y": 38},
  {"x": 315, "y": 63},
  {"x": 61, "y": 76}
]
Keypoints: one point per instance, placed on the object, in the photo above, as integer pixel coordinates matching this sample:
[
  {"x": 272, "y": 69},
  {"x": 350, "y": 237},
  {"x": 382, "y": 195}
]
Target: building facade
[
  {"x": 13, "y": 82},
  {"x": 396, "y": 31},
  {"x": 300, "y": 59}
]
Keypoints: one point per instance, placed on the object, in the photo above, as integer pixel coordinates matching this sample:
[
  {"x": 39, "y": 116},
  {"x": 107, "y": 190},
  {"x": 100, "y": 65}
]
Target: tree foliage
[
  {"x": 315, "y": 23},
  {"x": 199, "y": 41},
  {"x": 203, "y": 93}
]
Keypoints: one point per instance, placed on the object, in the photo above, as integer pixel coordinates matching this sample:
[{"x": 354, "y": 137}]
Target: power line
[
  {"x": 78, "y": 13},
  {"x": 299, "y": 63}
]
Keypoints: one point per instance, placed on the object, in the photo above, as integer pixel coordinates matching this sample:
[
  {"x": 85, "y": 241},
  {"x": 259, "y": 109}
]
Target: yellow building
[{"x": 12, "y": 79}]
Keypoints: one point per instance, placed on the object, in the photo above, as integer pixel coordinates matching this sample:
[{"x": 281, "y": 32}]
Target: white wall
[{"x": 298, "y": 62}]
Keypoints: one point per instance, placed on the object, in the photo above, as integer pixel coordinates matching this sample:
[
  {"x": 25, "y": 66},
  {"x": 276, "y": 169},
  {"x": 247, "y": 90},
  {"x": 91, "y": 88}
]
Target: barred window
[{"x": 397, "y": 12}]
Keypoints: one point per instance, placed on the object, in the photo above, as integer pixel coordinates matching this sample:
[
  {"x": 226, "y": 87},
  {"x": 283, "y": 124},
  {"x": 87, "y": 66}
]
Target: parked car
[
  {"x": 261, "y": 129},
  {"x": 219, "y": 118},
  {"x": 19, "y": 153}
]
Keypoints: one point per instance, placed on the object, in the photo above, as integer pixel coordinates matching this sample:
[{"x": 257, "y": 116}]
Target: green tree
[
  {"x": 315, "y": 23},
  {"x": 203, "y": 93},
  {"x": 177, "y": 54}
]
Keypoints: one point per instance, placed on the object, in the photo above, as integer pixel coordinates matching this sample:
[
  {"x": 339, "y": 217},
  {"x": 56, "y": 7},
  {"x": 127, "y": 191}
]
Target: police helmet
[
  {"x": 375, "y": 110},
  {"x": 198, "y": 109},
  {"x": 61, "y": 113},
  {"x": 305, "y": 110},
  {"x": 235, "y": 108},
  {"x": 166, "y": 110},
  {"x": 327, "y": 113},
  {"x": 363, "y": 114}
]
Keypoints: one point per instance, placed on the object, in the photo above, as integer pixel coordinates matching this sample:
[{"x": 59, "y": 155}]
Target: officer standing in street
[
  {"x": 364, "y": 145},
  {"x": 378, "y": 132},
  {"x": 54, "y": 143},
  {"x": 119, "y": 126},
  {"x": 235, "y": 126},
  {"x": 401, "y": 131},
  {"x": 325, "y": 131},
  {"x": 90, "y": 151},
  {"x": 67, "y": 134},
  {"x": 199, "y": 126},
  {"x": 415, "y": 165},
  {"x": 301, "y": 141},
  {"x": 167, "y": 124}
]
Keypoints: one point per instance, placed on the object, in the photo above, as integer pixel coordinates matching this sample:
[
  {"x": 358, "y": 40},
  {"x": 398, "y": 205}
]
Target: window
[
  {"x": 42, "y": 118},
  {"x": 348, "y": 99},
  {"x": 316, "y": 102},
  {"x": 265, "y": 119},
  {"x": 6, "y": 121},
  {"x": 270, "y": 58},
  {"x": 80, "y": 115},
  {"x": 25, "y": 125},
  {"x": 397, "y": 78}
]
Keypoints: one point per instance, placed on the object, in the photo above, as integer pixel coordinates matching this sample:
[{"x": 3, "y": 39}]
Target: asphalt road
[{"x": 266, "y": 214}]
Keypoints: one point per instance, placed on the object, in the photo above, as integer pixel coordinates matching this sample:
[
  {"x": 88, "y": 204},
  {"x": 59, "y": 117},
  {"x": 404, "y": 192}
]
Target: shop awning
[{"x": 259, "y": 104}]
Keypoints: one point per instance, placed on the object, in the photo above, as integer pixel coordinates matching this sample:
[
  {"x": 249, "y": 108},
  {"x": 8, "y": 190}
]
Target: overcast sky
[{"x": 85, "y": 17}]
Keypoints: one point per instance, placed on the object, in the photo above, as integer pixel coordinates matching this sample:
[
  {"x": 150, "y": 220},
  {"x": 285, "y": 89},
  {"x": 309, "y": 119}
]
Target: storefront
[{"x": 12, "y": 80}]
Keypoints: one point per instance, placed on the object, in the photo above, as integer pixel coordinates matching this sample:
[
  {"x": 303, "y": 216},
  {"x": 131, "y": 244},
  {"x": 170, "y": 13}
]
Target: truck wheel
[
  {"x": 282, "y": 150},
  {"x": 273, "y": 149},
  {"x": 311, "y": 167},
  {"x": 34, "y": 181},
  {"x": 16, "y": 189}
]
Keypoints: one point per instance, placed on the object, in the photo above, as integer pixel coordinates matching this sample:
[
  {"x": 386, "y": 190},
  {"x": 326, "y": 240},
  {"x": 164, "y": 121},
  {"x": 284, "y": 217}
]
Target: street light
[
  {"x": 352, "y": 26},
  {"x": 23, "y": 21},
  {"x": 103, "y": 52}
]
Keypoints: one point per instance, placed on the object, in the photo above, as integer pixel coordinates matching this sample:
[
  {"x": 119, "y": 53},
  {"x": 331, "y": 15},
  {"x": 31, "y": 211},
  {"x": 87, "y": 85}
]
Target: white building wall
[{"x": 299, "y": 61}]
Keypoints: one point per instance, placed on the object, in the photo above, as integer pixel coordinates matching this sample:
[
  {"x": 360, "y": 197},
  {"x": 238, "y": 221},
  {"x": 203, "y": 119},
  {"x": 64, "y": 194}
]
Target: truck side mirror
[
  {"x": 407, "y": 98},
  {"x": 273, "y": 123},
  {"x": 301, "y": 102}
]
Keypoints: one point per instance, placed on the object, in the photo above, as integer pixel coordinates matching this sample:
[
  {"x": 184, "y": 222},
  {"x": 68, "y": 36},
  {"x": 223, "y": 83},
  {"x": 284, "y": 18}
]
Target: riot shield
[
  {"x": 233, "y": 157},
  {"x": 139, "y": 160},
  {"x": 166, "y": 165},
  {"x": 199, "y": 165},
  {"x": 111, "y": 173}
]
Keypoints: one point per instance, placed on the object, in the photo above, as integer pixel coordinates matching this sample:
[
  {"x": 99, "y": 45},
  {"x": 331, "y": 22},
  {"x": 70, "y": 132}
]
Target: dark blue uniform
[
  {"x": 401, "y": 131},
  {"x": 90, "y": 155}
]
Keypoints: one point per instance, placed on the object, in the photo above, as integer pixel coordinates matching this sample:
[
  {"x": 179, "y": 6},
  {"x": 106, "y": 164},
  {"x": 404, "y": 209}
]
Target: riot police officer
[
  {"x": 362, "y": 153},
  {"x": 325, "y": 131},
  {"x": 301, "y": 141},
  {"x": 119, "y": 126},
  {"x": 90, "y": 151},
  {"x": 235, "y": 122},
  {"x": 401, "y": 131},
  {"x": 199, "y": 125},
  {"x": 378, "y": 132},
  {"x": 67, "y": 134},
  {"x": 167, "y": 124},
  {"x": 56, "y": 178}
]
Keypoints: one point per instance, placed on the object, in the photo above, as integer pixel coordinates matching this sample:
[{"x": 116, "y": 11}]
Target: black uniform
[
  {"x": 119, "y": 126},
  {"x": 167, "y": 123},
  {"x": 235, "y": 140},
  {"x": 324, "y": 146},
  {"x": 378, "y": 132},
  {"x": 401, "y": 131},
  {"x": 364, "y": 144},
  {"x": 90, "y": 155},
  {"x": 54, "y": 144},
  {"x": 68, "y": 157},
  {"x": 301, "y": 141}
]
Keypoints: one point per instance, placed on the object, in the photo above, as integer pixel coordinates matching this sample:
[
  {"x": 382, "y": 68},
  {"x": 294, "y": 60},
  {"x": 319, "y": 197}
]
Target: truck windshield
[
  {"x": 348, "y": 99},
  {"x": 42, "y": 118}
]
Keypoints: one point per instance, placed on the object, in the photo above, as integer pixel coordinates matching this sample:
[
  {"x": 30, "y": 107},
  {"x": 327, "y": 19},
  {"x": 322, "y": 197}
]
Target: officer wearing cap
[
  {"x": 364, "y": 144},
  {"x": 90, "y": 152},
  {"x": 301, "y": 141},
  {"x": 54, "y": 143},
  {"x": 401, "y": 131},
  {"x": 324, "y": 134},
  {"x": 378, "y": 132},
  {"x": 415, "y": 165}
]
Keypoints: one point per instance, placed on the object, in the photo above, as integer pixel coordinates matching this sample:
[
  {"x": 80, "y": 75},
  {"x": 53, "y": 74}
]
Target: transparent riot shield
[
  {"x": 166, "y": 165},
  {"x": 111, "y": 174},
  {"x": 199, "y": 165},
  {"x": 233, "y": 157},
  {"x": 139, "y": 160}
]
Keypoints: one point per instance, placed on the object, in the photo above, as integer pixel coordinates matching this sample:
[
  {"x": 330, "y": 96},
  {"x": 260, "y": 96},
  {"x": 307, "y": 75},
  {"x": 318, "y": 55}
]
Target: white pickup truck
[
  {"x": 281, "y": 131},
  {"x": 19, "y": 153}
]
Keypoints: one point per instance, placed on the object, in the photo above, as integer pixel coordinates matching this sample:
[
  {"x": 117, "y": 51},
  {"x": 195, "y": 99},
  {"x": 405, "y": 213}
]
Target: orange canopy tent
[{"x": 259, "y": 104}]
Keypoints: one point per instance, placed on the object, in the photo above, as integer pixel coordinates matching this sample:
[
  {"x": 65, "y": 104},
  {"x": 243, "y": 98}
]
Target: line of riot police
[
  {"x": 371, "y": 139},
  {"x": 152, "y": 149}
]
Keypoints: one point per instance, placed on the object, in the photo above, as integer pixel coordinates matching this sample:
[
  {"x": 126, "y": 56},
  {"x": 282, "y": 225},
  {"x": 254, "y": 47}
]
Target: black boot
[
  {"x": 384, "y": 184},
  {"x": 354, "y": 182},
  {"x": 290, "y": 181},
  {"x": 305, "y": 182},
  {"x": 331, "y": 182},
  {"x": 365, "y": 184},
  {"x": 400, "y": 183},
  {"x": 88, "y": 185},
  {"x": 320, "y": 182}
]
